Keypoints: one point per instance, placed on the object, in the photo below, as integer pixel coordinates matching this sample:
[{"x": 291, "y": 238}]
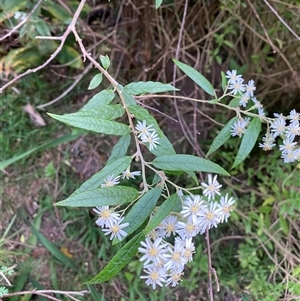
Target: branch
[
  {"x": 62, "y": 39},
  {"x": 22, "y": 22}
]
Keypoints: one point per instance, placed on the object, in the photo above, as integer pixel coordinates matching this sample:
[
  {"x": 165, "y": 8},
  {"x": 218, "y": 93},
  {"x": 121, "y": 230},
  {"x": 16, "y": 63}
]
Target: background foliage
[{"x": 256, "y": 254}]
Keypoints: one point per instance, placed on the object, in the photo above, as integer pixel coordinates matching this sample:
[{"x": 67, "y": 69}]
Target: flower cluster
[
  {"x": 163, "y": 261},
  {"x": 287, "y": 128},
  {"x": 147, "y": 134},
  {"x": 108, "y": 220}
]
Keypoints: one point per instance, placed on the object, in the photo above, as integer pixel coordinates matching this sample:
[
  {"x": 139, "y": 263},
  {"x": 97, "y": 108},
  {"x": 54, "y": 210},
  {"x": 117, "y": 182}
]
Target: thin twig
[
  {"x": 53, "y": 55},
  {"x": 210, "y": 269},
  {"x": 22, "y": 22},
  {"x": 281, "y": 20},
  {"x": 180, "y": 119},
  {"x": 262, "y": 26},
  {"x": 45, "y": 293},
  {"x": 70, "y": 88}
]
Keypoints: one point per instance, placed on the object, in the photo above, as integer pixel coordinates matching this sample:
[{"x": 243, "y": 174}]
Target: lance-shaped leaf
[
  {"x": 139, "y": 88},
  {"x": 106, "y": 196},
  {"x": 120, "y": 149},
  {"x": 114, "y": 168},
  {"x": 163, "y": 211},
  {"x": 100, "y": 99},
  {"x": 224, "y": 81},
  {"x": 93, "y": 123},
  {"x": 108, "y": 112},
  {"x": 187, "y": 163},
  {"x": 141, "y": 210},
  {"x": 119, "y": 261},
  {"x": 164, "y": 147},
  {"x": 197, "y": 77},
  {"x": 222, "y": 137},
  {"x": 248, "y": 141}
]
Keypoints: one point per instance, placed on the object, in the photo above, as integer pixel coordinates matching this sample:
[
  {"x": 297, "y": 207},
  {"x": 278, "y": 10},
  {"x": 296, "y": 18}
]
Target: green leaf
[
  {"x": 106, "y": 196},
  {"x": 235, "y": 102},
  {"x": 283, "y": 224},
  {"x": 163, "y": 211},
  {"x": 49, "y": 144},
  {"x": 93, "y": 123},
  {"x": 248, "y": 141},
  {"x": 148, "y": 88},
  {"x": 164, "y": 148},
  {"x": 56, "y": 11},
  {"x": 105, "y": 61},
  {"x": 120, "y": 149},
  {"x": 222, "y": 137},
  {"x": 158, "y": 3},
  {"x": 141, "y": 210},
  {"x": 224, "y": 81},
  {"x": 108, "y": 112},
  {"x": 114, "y": 168},
  {"x": 96, "y": 81},
  {"x": 197, "y": 77},
  {"x": 119, "y": 261},
  {"x": 100, "y": 99},
  {"x": 130, "y": 101},
  {"x": 70, "y": 56},
  {"x": 53, "y": 249},
  {"x": 193, "y": 176},
  {"x": 187, "y": 163}
]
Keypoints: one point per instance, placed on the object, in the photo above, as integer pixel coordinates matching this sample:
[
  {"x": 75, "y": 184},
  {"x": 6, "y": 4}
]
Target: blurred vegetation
[{"x": 256, "y": 255}]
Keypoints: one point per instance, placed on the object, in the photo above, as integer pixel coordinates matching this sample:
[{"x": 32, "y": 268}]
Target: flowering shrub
[{"x": 173, "y": 215}]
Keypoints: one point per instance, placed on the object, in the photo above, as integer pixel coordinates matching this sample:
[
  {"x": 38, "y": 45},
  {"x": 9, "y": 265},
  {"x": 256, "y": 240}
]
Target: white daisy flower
[
  {"x": 168, "y": 226},
  {"x": 288, "y": 145},
  {"x": 130, "y": 174},
  {"x": 106, "y": 217},
  {"x": 174, "y": 277},
  {"x": 225, "y": 206},
  {"x": 291, "y": 156},
  {"x": 238, "y": 128},
  {"x": 152, "y": 139},
  {"x": 174, "y": 258},
  {"x": 143, "y": 129},
  {"x": 188, "y": 248},
  {"x": 278, "y": 127},
  {"x": 154, "y": 251},
  {"x": 237, "y": 87},
  {"x": 294, "y": 116},
  {"x": 188, "y": 229},
  {"x": 156, "y": 276},
  {"x": 212, "y": 188},
  {"x": 244, "y": 100},
  {"x": 191, "y": 207},
  {"x": 233, "y": 77},
  {"x": 209, "y": 216},
  {"x": 250, "y": 88},
  {"x": 268, "y": 143},
  {"x": 111, "y": 181},
  {"x": 116, "y": 230},
  {"x": 292, "y": 130}
]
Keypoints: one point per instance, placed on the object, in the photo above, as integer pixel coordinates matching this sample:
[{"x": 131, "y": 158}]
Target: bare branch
[
  {"x": 22, "y": 22},
  {"x": 63, "y": 38}
]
